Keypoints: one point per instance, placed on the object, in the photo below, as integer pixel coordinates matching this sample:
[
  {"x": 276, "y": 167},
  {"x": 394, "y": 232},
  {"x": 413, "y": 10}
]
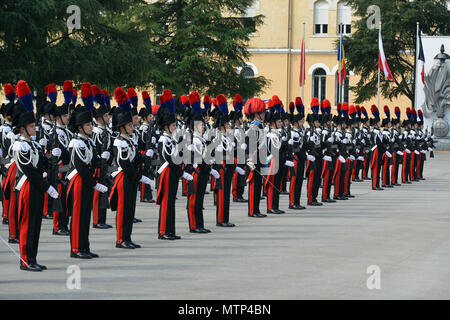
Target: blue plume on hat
[
  {"x": 223, "y": 104},
  {"x": 168, "y": 101},
  {"x": 24, "y": 95}
]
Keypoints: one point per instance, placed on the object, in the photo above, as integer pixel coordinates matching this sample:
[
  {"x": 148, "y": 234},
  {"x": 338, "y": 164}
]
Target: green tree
[
  {"x": 113, "y": 46},
  {"x": 399, "y": 20},
  {"x": 203, "y": 43}
]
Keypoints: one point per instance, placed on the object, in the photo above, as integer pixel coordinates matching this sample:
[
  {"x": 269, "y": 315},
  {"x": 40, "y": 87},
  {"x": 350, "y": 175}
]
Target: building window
[
  {"x": 321, "y": 17},
  {"x": 247, "y": 72},
  {"x": 344, "y": 18},
  {"x": 344, "y": 91},
  {"x": 319, "y": 89}
]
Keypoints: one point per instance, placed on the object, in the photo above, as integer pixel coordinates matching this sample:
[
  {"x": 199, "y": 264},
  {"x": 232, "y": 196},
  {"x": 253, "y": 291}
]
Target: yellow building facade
[{"x": 276, "y": 49}]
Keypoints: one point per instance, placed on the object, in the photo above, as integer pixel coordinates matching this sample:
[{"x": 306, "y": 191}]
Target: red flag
[{"x": 382, "y": 62}]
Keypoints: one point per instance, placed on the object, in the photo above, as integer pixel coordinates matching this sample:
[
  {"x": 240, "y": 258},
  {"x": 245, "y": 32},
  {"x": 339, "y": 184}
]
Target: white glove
[
  {"x": 283, "y": 138},
  {"x": 388, "y": 154},
  {"x": 157, "y": 132},
  {"x": 1, "y": 153},
  {"x": 43, "y": 142},
  {"x": 423, "y": 151},
  {"x": 354, "y": 141},
  {"x": 240, "y": 171},
  {"x": 106, "y": 155},
  {"x": 341, "y": 159},
  {"x": 289, "y": 163},
  {"x": 291, "y": 142},
  {"x": 345, "y": 141},
  {"x": 233, "y": 144},
  {"x": 153, "y": 140},
  {"x": 363, "y": 141},
  {"x": 361, "y": 158},
  {"x": 149, "y": 153},
  {"x": 331, "y": 140},
  {"x": 215, "y": 173},
  {"x": 416, "y": 152},
  {"x": 52, "y": 192},
  {"x": 243, "y": 146},
  {"x": 251, "y": 165},
  {"x": 145, "y": 180},
  {"x": 430, "y": 149},
  {"x": 327, "y": 158},
  {"x": 399, "y": 153},
  {"x": 187, "y": 176},
  {"x": 219, "y": 148},
  {"x": 56, "y": 152},
  {"x": 352, "y": 158},
  {"x": 296, "y": 135},
  {"x": 408, "y": 151},
  {"x": 310, "y": 158},
  {"x": 100, "y": 188}
]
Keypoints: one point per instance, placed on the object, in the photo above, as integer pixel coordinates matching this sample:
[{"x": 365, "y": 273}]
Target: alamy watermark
[{"x": 74, "y": 20}]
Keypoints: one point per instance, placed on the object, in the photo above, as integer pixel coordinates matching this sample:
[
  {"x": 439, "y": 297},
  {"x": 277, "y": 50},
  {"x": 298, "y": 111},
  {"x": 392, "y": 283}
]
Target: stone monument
[{"x": 437, "y": 102}]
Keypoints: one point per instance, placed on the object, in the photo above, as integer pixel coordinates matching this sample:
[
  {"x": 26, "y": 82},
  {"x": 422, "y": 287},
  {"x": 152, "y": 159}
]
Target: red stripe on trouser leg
[
  {"x": 164, "y": 188},
  {"x": 292, "y": 185},
  {"x": 191, "y": 206},
  {"x": 234, "y": 187},
  {"x": 12, "y": 215},
  {"x": 220, "y": 199},
  {"x": 337, "y": 178},
  {"x": 394, "y": 169},
  {"x": 385, "y": 165},
  {"x": 120, "y": 205},
  {"x": 56, "y": 213},
  {"x": 405, "y": 158},
  {"x": 95, "y": 207},
  {"x": 76, "y": 212},
  {"x": 310, "y": 186},
  {"x": 45, "y": 211},
  {"x": 185, "y": 186},
  {"x": 24, "y": 219},
  {"x": 375, "y": 169},
  {"x": 418, "y": 167},
  {"x": 365, "y": 167},
  {"x": 5, "y": 202},
  {"x": 347, "y": 178},
  {"x": 325, "y": 175},
  {"x": 251, "y": 186},
  {"x": 270, "y": 193},
  {"x": 142, "y": 191},
  {"x": 411, "y": 166}
]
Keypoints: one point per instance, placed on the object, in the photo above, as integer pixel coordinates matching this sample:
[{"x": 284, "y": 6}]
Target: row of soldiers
[{"x": 73, "y": 160}]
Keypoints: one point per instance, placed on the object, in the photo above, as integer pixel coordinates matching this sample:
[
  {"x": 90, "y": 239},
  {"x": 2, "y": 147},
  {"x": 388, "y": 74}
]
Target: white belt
[
  {"x": 21, "y": 182},
  {"x": 7, "y": 165},
  {"x": 160, "y": 170},
  {"x": 72, "y": 174},
  {"x": 115, "y": 173}
]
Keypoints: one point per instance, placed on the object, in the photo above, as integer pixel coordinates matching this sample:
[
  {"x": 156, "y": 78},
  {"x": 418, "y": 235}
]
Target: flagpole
[
  {"x": 303, "y": 62},
  {"x": 339, "y": 97},
  {"x": 379, "y": 36},
  {"x": 415, "y": 66}
]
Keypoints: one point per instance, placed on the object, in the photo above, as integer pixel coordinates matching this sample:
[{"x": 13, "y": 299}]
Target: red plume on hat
[
  {"x": 146, "y": 99},
  {"x": 292, "y": 107},
  {"x": 51, "y": 92},
  {"x": 387, "y": 112},
  {"x": 24, "y": 95},
  {"x": 374, "y": 111},
  {"x": 10, "y": 92},
  {"x": 315, "y": 105}
]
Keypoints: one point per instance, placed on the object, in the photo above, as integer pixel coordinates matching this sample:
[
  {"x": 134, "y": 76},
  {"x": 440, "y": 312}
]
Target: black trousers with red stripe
[
  {"x": 405, "y": 166},
  {"x": 79, "y": 204},
  {"x": 146, "y": 192},
  {"x": 167, "y": 192},
  {"x": 223, "y": 195},
  {"x": 297, "y": 181},
  {"x": 238, "y": 186},
  {"x": 255, "y": 186},
  {"x": 314, "y": 173},
  {"x": 61, "y": 219},
  {"x": 195, "y": 201},
  {"x": 327, "y": 176},
  {"x": 273, "y": 184},
  {"x": 30, "y": 206},
  {"x": 376, "y": 164},
  {"x": 126, "y": 191}
]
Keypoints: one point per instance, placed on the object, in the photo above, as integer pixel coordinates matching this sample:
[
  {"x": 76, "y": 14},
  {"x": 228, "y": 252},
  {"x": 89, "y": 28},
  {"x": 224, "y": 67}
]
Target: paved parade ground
[{"x": 401, "y": 236}]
